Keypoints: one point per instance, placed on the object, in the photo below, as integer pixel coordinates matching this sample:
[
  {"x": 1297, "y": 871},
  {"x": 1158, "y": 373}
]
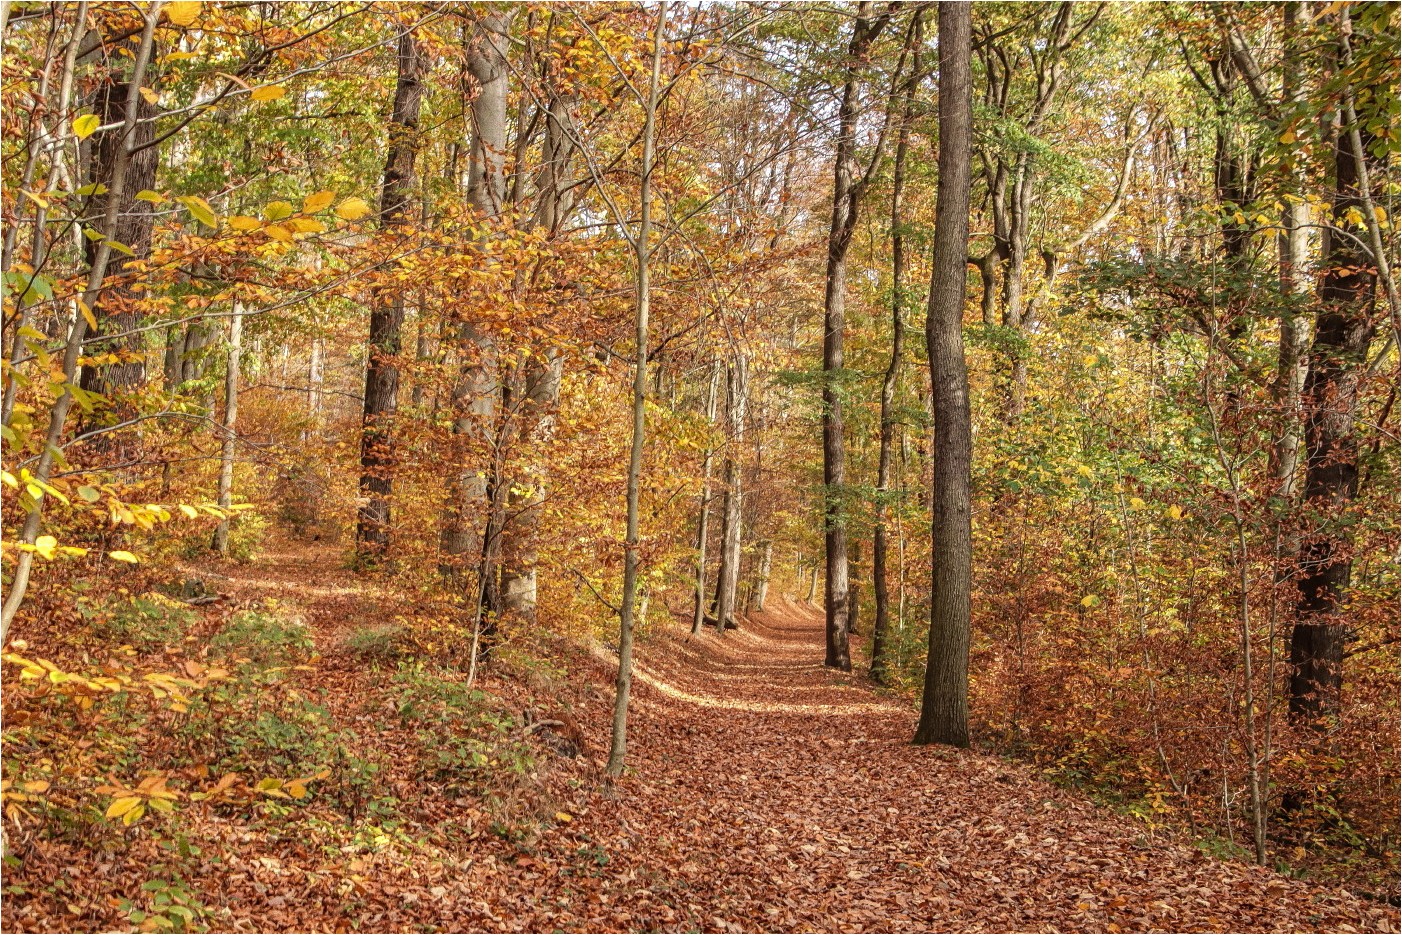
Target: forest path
[{"x": 764, "y": 793}]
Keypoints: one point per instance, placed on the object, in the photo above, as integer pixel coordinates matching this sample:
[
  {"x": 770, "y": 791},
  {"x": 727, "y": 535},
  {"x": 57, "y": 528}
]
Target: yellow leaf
[
  {"x": 297, "y": 789},
  {"x": 1090, "y": 600},
  {"x": 1084, "y": 471},
  {"x": 123, "y": 556},
  {"x": 133, "y": 815},
  {"x": 183, "y": 12},
  {"x": 1136, "y": 504},
  {"x": 242, "y": 222},
  {"x": 307, "y": 225},
  {"x": 87, "y": 314},
  {"x": 1287, "y": 137},
  {"x": 277, "y": 210},
  {"x": 564, "y": 816},
  {"x": 45, "y": 546},
  {"x": 319, "y": 201},
  {"x": 268, "y": 92},
  {"x": 86, "y": 125},
  {"x": 152, "y": 97},
  {"x": 278, "y": 232},
  {"x": 352, "y": 209},
  {"x": 122, "y": 806},
  {"x": 189, "y": 510},
  {"x": 1175, "y": 512}
]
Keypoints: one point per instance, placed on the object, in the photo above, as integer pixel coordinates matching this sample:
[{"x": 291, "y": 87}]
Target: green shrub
[
  {"x": 263, "y": 638},
  {"x": 145, "y": 623},
  {"x": 463, "y": 740}
]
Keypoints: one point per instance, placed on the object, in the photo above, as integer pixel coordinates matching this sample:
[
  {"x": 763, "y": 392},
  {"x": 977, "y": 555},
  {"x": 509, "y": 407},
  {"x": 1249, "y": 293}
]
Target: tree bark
[
  {"x": 1337, "y": 357},
  {"x": 846, "y": 200},
  {"x": 881, "y": 592},
  {"x": 118, "y": 311},
  {"x": 377, "y": 445},
  {"x": 944, "y": 711},
  {"x": 728, "y": 575},
  {"x": 475, "y": 394},
  {"x": 703, "y": 522},
  {"x": 642, "y": 246},
  {"x": 229, "y": 445},
  {"x": 97, "y": 272}
]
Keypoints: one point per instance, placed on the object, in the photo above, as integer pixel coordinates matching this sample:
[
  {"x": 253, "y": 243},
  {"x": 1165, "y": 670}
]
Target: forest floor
[{"x": 764, "y": 793}]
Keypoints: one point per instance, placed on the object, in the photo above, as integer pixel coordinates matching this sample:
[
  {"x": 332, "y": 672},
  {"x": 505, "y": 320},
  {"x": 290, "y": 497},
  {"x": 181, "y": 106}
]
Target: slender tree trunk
[
  {"x": 761, "y": 591},
  {"x": 881, "y": 591},
  {"x": 944, "y": 711},
  {"x": 230, "y": 425},
  {"x": 703, "y": 522},
  {"x": 377, "y": 445},
  {"x": 527, "y": 497},
  {"x": 728, "y": 575},
  {"x": 618, "y": 740},
  {"x": 58, "y": 415}
]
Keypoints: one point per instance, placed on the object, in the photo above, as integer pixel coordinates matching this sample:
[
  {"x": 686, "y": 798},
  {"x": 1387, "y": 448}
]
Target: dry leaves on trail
[{"x": 765, "y": 793}]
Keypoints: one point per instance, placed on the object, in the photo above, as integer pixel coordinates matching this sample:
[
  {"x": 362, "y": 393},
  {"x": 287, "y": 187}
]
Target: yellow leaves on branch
[
  {"x": 86, "y": 125},
  {"x": 182, "y": 12},
  {"x": 267, "y": 92},
  {"x": 352, "y": 209},
  {"x": 317, "y": 202}
]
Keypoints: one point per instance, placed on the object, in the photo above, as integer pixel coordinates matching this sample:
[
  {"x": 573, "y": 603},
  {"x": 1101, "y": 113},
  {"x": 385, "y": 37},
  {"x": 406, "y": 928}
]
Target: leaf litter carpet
[{"x": 765, "y": 793}]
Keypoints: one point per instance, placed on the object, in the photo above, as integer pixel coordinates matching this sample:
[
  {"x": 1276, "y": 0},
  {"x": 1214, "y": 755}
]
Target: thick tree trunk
[
  {"x": 944, "y": 711},
  {"x": 527, "y": 497},
  {"x": 377, "y": 446},
  {"x": 623, "y": 685},
  {"x": 117, "y": 189},
  {"x": 118, "y": 313},
  {"x": 475, "y": 395},
  {"x": 728, "y": 575},
  {"x": 703, "y": 521},
  {"x": 1337, "y": 357},
  {"x": 230, "y": 426},
  {"x": 846, "y": 199}
]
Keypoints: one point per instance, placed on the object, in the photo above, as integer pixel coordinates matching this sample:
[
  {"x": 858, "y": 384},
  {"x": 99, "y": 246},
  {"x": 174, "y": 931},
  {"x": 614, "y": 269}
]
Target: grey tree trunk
[
  {"x": 728, "y": 575},
  {"x": 944, "y": 710},
  {"x": 846, "y": 200},
  {"x": 762, "y": 571},
  {"x": 703, "y": 522},
  {"x": 377, "y": 445},
  {"x": 623, "y": 685},
  {"x": 230, "y": 426},
  {"x": 475, "y": 394}
]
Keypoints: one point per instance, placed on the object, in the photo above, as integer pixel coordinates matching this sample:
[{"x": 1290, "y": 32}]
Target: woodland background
[{"x": 361, "y": 278}]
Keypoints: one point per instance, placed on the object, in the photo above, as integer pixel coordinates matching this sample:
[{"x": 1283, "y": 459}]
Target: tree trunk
[
  {"x": 623, "y": 685},
  {"x": 1343, "y": 332},
  {"x": 230, "y": 426},
  {"x": 118, "y": 311},
  {"x": 891, "y": 379},
  {"x": 527, "y": 496},
  {"x": 728, "y": 575},
  {"x": 762, "y": 570},
  {"x": 703, "y": 522},
  {"x": 944, "y": 710},
  {"x": 475, "y": 395},
  {"x": 377, "y": 445},
  {"x": 58, "y": 415},
  {"x": 846, "y": 199}
]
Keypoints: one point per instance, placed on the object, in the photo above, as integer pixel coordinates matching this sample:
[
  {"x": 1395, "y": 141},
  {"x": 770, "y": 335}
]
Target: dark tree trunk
[
  {"x": 119, "y": 312},
  {"x": 944, "y": 710},
  {"x": 377, "y": 454},
  {"x": 1343, "y": 332}
]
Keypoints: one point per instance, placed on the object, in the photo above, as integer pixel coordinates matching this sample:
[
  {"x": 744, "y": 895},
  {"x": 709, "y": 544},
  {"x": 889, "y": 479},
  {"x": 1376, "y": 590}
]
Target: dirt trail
[{"x": 768, "y": 793}]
